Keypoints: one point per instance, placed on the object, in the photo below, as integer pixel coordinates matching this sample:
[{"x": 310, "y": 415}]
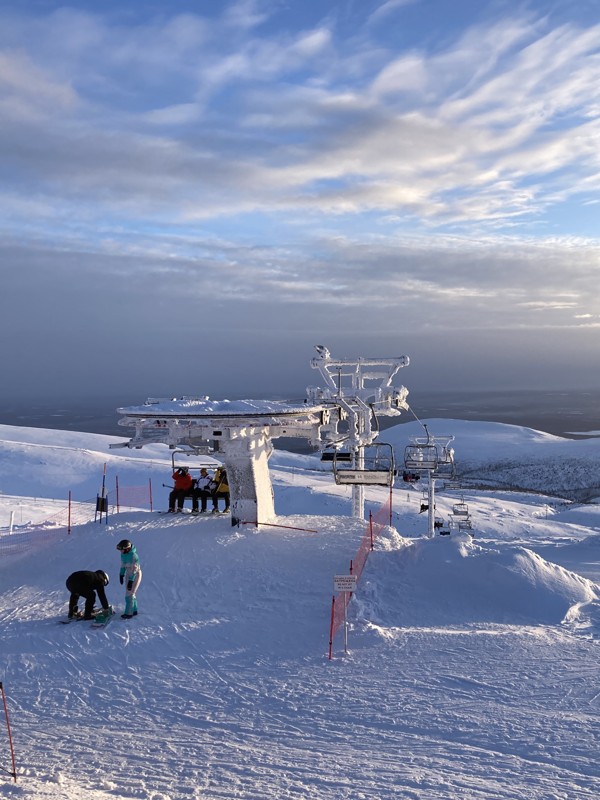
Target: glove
[
  {"x": 129, "y": 585},
  {"x": 121, "y": 580}
]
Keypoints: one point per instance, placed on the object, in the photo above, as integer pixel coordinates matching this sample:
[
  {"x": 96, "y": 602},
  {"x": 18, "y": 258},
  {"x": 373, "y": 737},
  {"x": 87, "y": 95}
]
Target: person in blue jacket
[{"x": 130, "y": 574}]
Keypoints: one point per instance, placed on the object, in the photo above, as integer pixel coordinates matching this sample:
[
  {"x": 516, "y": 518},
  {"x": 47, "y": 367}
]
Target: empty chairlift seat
[
  {"x": 460, "y": 510},
  {"x": 371, "y": 466},
  {"x": 421, "y": 457}
]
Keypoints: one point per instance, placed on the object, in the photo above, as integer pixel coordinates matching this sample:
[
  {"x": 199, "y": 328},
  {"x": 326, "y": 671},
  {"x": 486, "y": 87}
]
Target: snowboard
[
  {"x": 100, "y": 618},
  {"x": 103, "y": 618}
]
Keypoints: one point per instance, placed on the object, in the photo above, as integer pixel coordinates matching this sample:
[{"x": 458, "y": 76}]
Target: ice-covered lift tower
[{"x": 240, "y": 432}]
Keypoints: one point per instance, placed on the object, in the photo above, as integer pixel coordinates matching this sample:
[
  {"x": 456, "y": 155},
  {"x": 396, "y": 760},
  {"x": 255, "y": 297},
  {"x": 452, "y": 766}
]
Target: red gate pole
[
  {"x": 12, "y": 752},
  {"x": 150, "y": 489},
  {"x": 331, "y": 627},
  {"x": 69, "y": 515}
]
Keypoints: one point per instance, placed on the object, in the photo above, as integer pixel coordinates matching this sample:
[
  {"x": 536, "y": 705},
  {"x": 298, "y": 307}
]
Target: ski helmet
[
  {"x": 101, "y": 574},
  {"x": 124, "y": 546}
]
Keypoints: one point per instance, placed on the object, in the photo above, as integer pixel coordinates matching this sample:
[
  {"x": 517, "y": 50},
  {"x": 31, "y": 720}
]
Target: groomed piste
[{"x": 472, "y": 663}]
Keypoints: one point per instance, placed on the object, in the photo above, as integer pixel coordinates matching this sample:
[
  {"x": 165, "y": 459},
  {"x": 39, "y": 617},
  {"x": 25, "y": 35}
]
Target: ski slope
[{"x": 472, "y": 669}]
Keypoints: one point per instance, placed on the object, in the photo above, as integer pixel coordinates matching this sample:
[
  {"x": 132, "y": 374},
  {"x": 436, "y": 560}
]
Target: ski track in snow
[{"x": 472, "y": 670}]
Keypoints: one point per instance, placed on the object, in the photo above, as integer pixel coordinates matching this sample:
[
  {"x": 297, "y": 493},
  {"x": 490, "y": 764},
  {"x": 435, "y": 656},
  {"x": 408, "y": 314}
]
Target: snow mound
[{"x": 448, "y": 581}]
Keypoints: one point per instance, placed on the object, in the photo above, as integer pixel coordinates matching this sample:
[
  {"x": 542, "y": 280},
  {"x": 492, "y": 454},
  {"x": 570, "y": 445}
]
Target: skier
[
  {"x": 221, "y": 489},
  {"x": 182, "y": 489},
  {"x": 203, "y": 491},
  {"x": 130, "y": 574},
  {"x": 85, "y": 584}
]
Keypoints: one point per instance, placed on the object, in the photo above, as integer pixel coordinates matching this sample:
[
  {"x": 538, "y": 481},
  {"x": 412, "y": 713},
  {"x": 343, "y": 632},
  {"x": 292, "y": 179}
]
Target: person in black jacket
[{"x": 85, "y": 584}]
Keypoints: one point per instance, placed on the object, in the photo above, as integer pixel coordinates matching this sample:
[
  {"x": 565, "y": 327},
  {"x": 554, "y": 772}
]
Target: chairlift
[
  {"x": 430, "y": 455},
  {"x": 373, "y": 466},
  {"x": 452, "y": 484},
  {"x": 188, "y": 458},
  {"x": 460, "y": 510},
  {"x": 420, "y": 457}
]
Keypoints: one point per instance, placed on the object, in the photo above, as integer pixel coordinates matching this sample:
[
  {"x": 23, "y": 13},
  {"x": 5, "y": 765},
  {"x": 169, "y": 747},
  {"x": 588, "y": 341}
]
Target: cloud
[
  {"x": 295, "y": 179},
  {"x": 424, "y": 134}
]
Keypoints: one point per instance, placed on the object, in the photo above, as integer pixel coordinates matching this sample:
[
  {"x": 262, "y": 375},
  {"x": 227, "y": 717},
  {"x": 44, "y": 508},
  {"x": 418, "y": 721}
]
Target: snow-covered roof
[{"x": 205, "y": 407}]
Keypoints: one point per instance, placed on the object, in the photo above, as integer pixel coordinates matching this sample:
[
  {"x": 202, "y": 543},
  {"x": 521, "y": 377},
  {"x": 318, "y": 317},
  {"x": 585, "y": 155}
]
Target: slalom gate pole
[
  {"x": 69, "y": 515},
  {"x": 371, "y": 527},
  {"x": 331, "y": 628},
  {"x": 150, "y": 490},
  {"x": 117, "y": 492},
  {"x": 10, "y": 742},
  {"x": 104, "y": 506},
  {"x": 391, "y": 491}
]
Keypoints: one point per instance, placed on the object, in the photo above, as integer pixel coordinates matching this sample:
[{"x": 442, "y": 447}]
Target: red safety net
[
  {"x": 377, "y": 522},
  {"x": 134, "y": 497}
]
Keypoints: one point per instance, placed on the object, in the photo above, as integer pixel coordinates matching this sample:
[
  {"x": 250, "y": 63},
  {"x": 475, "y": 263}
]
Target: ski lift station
[{"x": 338, "y": 417}]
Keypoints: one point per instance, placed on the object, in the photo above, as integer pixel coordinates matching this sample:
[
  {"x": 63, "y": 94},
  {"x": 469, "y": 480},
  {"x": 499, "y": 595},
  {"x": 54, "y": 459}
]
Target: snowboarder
[
  {"x": 85, "y": 584},
  {"x": 130, "y": 574},
  {"x": 182, "y": 489}
]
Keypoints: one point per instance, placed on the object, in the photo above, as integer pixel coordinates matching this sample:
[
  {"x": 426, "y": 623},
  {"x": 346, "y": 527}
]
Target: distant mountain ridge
[
  {"x": 487, "y": 454},
  {"x": 495, "y": 455}
]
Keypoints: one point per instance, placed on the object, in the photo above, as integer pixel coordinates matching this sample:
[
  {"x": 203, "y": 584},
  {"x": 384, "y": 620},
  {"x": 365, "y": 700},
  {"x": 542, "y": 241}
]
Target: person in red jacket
[{"x": 182, "y": 489}]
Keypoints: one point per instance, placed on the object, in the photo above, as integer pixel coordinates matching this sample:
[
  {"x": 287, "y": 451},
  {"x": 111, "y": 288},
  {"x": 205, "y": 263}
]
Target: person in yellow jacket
[{"x": 221, "y": 489}]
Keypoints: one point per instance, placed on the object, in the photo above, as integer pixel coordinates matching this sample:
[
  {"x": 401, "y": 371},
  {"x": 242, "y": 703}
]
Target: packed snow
[{"x": 471, "y": 669}]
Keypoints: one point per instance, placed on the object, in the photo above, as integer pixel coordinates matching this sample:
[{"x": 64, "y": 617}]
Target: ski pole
[{"x": 10, "y": 742}]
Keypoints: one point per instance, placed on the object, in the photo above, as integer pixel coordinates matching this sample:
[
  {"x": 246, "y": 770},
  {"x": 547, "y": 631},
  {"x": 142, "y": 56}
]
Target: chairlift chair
[
  {"x": 460, "y": 510},
  {"x": 376, "y": 468},
  {"x": 187, "y": 458},
  {"x": 422, "y": 457}
]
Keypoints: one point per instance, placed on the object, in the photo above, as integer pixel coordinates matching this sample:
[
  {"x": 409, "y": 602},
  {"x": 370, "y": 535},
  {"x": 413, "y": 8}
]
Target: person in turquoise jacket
[{"x": 130, "y": 574}]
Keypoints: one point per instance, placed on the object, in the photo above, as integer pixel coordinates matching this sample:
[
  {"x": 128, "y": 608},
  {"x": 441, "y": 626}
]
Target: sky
[
  {"x": 194, "y": 194},
  {"x": 472, "y": 664}
]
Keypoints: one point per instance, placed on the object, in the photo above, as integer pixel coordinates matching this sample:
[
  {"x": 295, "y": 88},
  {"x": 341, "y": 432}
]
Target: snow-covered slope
[
  {"x": 472, "y": 670},
  {"x": 513, "y": 457}
]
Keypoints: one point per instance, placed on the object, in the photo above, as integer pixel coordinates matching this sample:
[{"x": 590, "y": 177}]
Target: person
[
  {"x": 203, "y": 491},
  {"x": 181, "y": 490},
  {"x": 86, "y": 583},
  {"x": 130, "y": 574},
  {"x": 221, "y": 489}
]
